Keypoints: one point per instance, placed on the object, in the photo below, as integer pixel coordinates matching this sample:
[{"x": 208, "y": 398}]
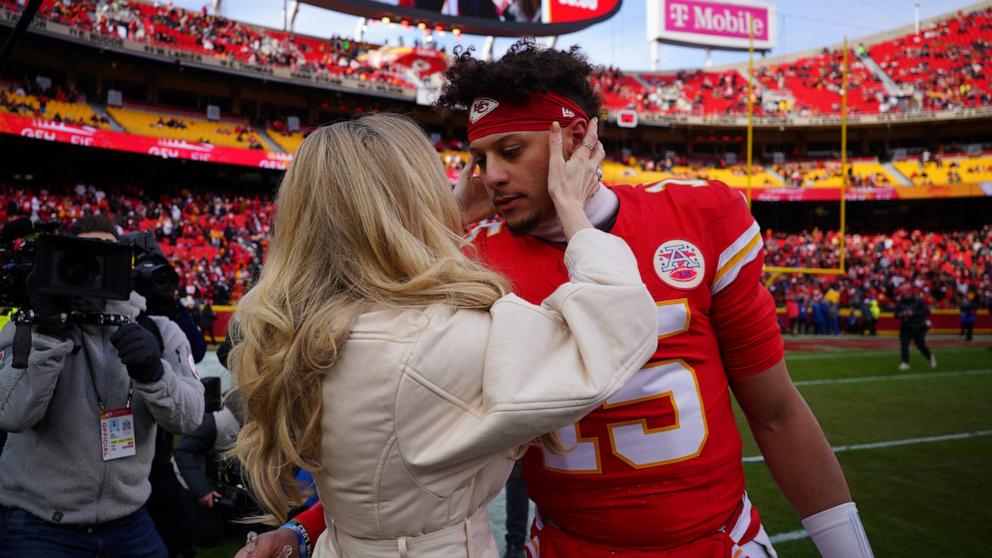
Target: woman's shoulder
[{"x": 412, "y": 323}]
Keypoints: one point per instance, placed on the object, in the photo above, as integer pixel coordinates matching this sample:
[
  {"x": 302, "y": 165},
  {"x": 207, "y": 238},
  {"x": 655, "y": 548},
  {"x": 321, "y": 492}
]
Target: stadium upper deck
[{"x": 939, "y": 73}]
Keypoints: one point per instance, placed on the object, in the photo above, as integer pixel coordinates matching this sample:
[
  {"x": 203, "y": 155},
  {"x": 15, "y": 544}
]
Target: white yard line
[
  {"x": 893, "y": 443},
  {"x": 845, "y": 353},
  {"x": 918, "y": 376},
  {"x": 802, "y": 534},
  {"x": 790, "y": 536}
]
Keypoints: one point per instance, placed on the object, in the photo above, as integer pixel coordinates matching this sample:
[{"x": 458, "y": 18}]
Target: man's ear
[{"x": 573, "y": 134}]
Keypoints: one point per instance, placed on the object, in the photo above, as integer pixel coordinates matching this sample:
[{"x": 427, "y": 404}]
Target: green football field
[{"x": 916, "y": 446}]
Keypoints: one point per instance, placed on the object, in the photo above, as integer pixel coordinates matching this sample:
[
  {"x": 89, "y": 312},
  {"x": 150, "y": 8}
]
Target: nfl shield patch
[{"x": 679, "y": 264}]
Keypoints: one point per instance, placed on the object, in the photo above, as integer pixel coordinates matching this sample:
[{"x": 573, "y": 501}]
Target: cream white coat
[{"x": 425, "y": 408}]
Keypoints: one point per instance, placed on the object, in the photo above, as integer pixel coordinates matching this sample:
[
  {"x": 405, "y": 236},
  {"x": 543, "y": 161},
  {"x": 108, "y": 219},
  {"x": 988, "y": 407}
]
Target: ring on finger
[{"x": 590, "y": 145}]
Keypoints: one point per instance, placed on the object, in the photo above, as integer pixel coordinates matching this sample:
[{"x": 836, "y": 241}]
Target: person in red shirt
[{"x": 656, "y": 471}]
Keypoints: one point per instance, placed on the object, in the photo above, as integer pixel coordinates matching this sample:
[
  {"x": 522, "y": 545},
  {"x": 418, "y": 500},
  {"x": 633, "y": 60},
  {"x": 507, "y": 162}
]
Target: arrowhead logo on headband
[
  {"x": 533, "y": 113},
  {"x": 481, "y": 107}
]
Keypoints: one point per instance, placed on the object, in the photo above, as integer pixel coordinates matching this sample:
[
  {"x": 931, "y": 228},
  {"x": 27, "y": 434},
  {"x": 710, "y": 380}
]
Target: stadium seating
[
  {"x": 217, "y": 242},
  {"x": 635, "y": 173},
  {"x": 815, "y": 82},
  {"x": 946, "y": 66},
  {"x": 827, "y": 173},
  {"x": 941, "y": 66},
  {"x": 287, "y": 141},
  {"x": 949, "y": 170},
  {"x": 60, "y": 108},
  {"x": 946, "y": 267},
  {"x": 182, "y": 127},
  {"x": 208, "y": 35}
]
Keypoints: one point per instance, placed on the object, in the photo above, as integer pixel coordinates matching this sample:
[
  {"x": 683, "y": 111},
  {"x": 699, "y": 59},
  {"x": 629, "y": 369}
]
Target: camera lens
[
  {"x": 162, "y": 279},
  {"x": 77, "y": 269}
]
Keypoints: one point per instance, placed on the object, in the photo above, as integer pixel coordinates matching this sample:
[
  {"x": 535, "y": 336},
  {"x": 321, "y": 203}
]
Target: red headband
[{"x": 488, "y": 116}]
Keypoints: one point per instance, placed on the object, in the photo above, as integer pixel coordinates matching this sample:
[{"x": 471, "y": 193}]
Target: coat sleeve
[
  {"x": 543, "y": 367},
  {"x": 25, "y": 394},
  {"x": 176, "y": 400},
  {"x": 192, "y": 455}
]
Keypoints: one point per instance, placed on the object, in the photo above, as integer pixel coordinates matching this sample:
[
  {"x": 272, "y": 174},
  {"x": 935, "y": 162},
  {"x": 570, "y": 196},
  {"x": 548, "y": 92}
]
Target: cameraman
[{"x": 70, "y": 483}]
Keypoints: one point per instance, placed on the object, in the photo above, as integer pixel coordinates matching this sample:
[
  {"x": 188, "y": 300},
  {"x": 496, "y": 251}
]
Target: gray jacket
[{"x": 52, "y": 465}]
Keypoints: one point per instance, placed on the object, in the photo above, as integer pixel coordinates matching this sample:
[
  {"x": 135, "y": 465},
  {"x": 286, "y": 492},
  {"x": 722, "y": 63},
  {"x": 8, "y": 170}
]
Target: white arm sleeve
[{"x": 838, "y": 533}]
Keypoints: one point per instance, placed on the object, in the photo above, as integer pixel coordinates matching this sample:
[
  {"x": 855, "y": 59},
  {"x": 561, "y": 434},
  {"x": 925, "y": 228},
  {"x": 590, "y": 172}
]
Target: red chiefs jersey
[{"x": 659, "y": 464}]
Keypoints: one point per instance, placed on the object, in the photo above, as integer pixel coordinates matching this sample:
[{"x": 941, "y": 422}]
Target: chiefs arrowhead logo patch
[
  {"x": 679, "y": 264},
  {"x": 481, "y": 107}
]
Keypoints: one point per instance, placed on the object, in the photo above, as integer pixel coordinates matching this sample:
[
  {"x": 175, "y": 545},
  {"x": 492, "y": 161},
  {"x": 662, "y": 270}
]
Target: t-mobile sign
[{"x": 717, "y": 24}]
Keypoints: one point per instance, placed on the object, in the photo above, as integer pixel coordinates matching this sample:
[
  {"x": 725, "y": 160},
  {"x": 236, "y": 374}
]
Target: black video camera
[
  {"x": 153, "y": 277},
  {"x": 61, "y": 265}
]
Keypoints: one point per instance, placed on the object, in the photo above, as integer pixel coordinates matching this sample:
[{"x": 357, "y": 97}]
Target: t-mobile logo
[{"x": 680, "y": 14}]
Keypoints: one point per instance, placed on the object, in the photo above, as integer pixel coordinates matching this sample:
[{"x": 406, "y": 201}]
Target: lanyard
[{"x": 99, "y": 400}]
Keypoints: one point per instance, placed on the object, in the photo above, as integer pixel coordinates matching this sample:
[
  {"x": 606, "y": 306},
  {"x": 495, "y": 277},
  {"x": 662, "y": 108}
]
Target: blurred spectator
[
  {"x": 912, "y": 313},
  {"x": 968, "y": 316}
]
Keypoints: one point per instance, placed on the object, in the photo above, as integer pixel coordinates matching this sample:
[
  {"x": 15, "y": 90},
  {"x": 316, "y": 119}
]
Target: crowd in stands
[
  {"x": 947, "y": 269},
  {"x": 817, "y": 83},
  {"x": 217, "y": 243},
  {"x": 54, "y": 103},
  {"x": 805, "y": 174},
  {"x": 946, "y": 66},
  {"x": 242, "y": 134},
  {"x": 164, "y": 24},
  {"x": 946, "y": 166},
  {"x": 38, "y": 98}
]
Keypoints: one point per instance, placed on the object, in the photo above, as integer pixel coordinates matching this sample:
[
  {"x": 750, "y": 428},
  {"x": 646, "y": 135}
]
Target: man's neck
[{"x": 601, "y": 210}]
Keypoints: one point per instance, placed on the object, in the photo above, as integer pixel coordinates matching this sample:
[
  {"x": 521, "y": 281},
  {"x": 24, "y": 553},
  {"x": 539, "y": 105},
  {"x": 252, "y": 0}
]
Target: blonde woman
[{"x": 375, "y": 354}]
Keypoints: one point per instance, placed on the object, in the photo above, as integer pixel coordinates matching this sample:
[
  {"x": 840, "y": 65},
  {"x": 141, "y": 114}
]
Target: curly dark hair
[{"x": 524, "y": 69}]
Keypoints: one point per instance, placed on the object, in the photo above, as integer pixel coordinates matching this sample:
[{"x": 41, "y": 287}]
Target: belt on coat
[{"x": 468, "y": 539}]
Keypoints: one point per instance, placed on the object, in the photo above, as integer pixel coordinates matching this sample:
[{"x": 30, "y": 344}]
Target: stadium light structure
[
  {"x": 294, "y": 10},
  {"x": 290, "y": 8}
]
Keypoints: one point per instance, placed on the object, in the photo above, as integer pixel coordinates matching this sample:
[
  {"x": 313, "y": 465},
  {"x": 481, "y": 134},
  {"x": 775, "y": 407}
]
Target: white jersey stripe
[
  {"x": 736, "y": 246},
  {"x": 743, "y": 522},
  {"x": 725, "y": 277}
]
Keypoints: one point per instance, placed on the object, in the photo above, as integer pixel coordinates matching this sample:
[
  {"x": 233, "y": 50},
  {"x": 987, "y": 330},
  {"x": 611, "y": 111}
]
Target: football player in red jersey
[{"x": 656, "y": 472}]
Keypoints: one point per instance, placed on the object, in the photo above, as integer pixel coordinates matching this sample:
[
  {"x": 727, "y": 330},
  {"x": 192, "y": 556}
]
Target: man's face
[{"x": 514, "y": 170}]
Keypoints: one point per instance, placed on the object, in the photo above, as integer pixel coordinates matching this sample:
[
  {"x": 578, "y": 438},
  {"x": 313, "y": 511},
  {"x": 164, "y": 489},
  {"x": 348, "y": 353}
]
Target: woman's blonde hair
[{"x": 364, "y": 216}]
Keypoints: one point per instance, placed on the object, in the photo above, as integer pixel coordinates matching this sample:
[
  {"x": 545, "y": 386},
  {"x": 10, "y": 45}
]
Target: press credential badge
[{"x": 117, "y": 433}]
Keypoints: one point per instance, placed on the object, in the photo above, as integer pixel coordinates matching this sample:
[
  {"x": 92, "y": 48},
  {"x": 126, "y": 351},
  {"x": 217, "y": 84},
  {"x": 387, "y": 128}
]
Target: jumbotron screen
[{"x": 485, "y": 17}]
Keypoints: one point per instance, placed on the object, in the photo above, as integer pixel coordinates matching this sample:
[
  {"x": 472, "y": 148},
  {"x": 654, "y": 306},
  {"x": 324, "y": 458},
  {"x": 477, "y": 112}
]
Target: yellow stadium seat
[
  {"x": 618, "y": 173},
  {"x": 149, "y": 123},
  {"x": 77, "y": 112},
  {"x": 289, "y": 143},
  {"x": 971, "y": 169}
]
